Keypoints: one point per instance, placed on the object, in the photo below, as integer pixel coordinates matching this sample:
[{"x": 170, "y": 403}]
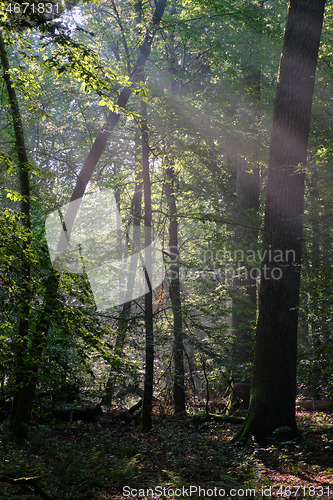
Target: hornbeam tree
[
  {"x": 175, "y": 295},
  {"x": 273, "y": 391},
  {"x": 146, "y": 421}
]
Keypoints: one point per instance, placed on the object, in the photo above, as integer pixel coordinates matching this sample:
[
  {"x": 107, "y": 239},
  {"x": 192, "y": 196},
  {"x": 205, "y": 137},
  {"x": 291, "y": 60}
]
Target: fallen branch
[
  {"x": 226, "y": 418},
  {"x": 315, "y": 405},
  {"x": 323, "y": 429},
  {"x": 132, "y": 414},
  {"x": 201, "y": 419},
  {"x": 23, "y": 482}
]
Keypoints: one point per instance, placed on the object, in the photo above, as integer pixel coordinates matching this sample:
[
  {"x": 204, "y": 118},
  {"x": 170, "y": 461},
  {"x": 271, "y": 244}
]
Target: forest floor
[{"x": 176, "y": 460}]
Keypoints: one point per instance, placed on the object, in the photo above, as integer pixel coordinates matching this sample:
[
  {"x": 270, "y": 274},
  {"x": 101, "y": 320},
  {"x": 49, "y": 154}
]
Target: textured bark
[
  {"x": 174, "y": 290},
  {"x": 273, "y": 392},
  {"x": 149, "y": 368}
]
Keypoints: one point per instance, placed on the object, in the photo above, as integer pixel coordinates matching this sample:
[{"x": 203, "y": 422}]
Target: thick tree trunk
[
  {"x": 174, "y": 290},
  {"x": 273, "y": 393},
  {"x": 149, "y": 368}
]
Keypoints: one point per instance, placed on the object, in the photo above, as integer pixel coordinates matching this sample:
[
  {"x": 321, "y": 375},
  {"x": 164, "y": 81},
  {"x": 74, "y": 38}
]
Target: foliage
[{"x": 68, "y": 73}]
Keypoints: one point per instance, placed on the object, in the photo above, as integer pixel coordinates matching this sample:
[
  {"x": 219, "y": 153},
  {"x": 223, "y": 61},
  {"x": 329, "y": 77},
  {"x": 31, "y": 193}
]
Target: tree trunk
[
  {"x": 149, "y": 368},
  {"x": 135, "y": 245},
  {"x": 174, "y": 290},
  {"x": 244, "y": 295},
  {"x": 316, "y": 334},
  {"x": 273, "y": 392},
  {"x": 22, "y": 406},
  {"x": 244, "y": 299},
  {"x": 101, "y": 140}
]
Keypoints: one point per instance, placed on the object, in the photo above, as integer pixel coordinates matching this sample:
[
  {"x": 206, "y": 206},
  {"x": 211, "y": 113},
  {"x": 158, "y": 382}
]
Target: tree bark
[
  {"x": 174, "y": 291},
  {"x": 273, "y": 392},
  {"x": 146, "y": 421},
  {"x": 174, "y": 288}
]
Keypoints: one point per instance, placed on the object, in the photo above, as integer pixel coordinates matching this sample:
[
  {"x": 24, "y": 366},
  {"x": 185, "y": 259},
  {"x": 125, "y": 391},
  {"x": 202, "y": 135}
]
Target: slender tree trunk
[
  {"x": 101, "y": 140},
  {"x": 149, "y": 368},
  {"x": 174, "y": 290},
  {"x": 273, "y": 392},
  {"x": 311, "y": 331},
  {"x": 135, "y": 245},
  {"x": 22, "y": 406}
]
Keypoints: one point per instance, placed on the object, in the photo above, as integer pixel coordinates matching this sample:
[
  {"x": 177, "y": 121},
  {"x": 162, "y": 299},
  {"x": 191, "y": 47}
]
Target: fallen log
[
  {"x": 201, "y": 419},
  {"x": 89, "y": 414},
  {"x": 315, "y": 405},
  {"x": 227, "y": 418},
  {"x": 139, "y": 391}
]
